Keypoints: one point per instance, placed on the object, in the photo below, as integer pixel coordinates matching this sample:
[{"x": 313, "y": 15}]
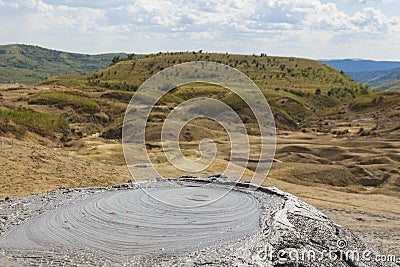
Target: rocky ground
[{"x": 286, "y": 227}]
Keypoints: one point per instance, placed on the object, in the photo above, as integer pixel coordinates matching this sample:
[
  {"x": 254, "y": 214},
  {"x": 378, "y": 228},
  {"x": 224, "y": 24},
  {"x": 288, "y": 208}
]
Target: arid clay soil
[
  {"x": 348, "y": 167},
  {"x": 27, "y": 168}
]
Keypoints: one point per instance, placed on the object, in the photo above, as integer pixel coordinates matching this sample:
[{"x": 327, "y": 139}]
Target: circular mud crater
[
  {"x": 132, "y": 225},
  {"x": 138, "y": 222}
]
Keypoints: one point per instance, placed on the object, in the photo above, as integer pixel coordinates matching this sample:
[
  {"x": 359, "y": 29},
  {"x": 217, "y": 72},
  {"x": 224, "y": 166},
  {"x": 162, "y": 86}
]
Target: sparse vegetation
[
  {"x": 62, "y": 99},
  {"x": 375, "y": 101},
  {"x": 268, "y": 72},
  {"x": 344, "y": 138},
  {"x": 30, "y": 64},
  {"x": 309, "y": 85},
  {"x": 119, "y": 95},
  {"x": 19, "y": 121}
]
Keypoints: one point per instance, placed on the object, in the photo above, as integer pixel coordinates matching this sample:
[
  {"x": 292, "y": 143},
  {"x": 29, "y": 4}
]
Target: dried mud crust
[{"x": 284, "y": 224}]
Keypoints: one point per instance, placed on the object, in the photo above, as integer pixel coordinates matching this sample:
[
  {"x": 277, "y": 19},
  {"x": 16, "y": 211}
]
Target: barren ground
[{"x": 353, "y": 179}]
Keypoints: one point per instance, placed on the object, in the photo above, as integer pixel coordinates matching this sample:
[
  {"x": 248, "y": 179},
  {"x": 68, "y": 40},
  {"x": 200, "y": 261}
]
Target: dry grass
[
  {"x": 63, "y": 99},
  {"x": 18, "y": 122}
]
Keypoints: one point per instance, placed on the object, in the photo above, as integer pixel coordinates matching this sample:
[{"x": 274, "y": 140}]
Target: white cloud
[
  {"x": 199, "y": 36},
  {"x": 8, "y": 4},
  {"x": 281, "y": 26},
  {"x": 371, "y": 1},
  {"x": 40, "y": 6}
]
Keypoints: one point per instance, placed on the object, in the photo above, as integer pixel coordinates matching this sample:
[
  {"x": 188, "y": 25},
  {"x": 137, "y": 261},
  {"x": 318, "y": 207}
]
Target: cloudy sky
[{"x": 302, "y": 28}]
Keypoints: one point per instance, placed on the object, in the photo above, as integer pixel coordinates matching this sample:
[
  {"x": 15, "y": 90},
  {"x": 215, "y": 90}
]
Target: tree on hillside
[{"x": 116, "y": 59}]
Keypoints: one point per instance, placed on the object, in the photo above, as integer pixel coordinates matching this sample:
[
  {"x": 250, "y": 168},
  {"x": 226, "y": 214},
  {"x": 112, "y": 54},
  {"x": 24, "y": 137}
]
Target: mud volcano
[{"x": 135, "y": 224}]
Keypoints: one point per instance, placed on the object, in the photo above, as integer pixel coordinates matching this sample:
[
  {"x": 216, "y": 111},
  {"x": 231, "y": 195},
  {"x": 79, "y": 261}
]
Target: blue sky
[{"x": 302, "y": 28}]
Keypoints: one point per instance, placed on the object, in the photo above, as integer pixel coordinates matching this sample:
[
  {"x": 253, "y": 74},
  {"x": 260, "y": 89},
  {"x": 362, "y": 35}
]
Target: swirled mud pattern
[{"x": 131, "y": 222}]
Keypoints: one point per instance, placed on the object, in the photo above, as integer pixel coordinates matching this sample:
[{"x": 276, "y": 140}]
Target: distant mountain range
[
  {"x": 360, "y": 65},
  {"x": 30, "y": 64},
  {"x": 379, "y": 75}
]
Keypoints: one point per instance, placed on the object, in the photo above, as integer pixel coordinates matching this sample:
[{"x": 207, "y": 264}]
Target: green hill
[
  {"x": 268, "y": 72},
  {"x": 302, "y": 93},
  {"x": 378, "y": 75},
  {"x": 29, "y": 64},
  {"x": 378, "y": 80},
  {"x": 389, "y": 85},
  {"x": 361, "y": 65},
  {"x": 344, "y": 133},
  {"x": 387, "y": 80},
  {"x": 296, "y": 88}
]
